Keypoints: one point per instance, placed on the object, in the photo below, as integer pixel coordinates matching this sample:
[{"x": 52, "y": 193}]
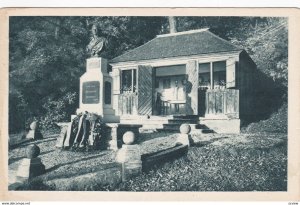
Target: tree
[{"x": 47, "y": 57}]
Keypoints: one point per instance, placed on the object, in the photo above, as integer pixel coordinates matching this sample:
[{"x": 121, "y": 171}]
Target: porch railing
[
  {"x": 128, "y": 103},
  {"x": 219, "y": 101}
]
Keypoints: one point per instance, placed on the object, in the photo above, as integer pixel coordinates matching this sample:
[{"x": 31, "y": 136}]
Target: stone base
[
  {"x": 61, "y": 138},
  {"x": 34, "y": 134},
  {"x": 115, "y": 132},
  {"x": 112, "y": 145},
  {"x": 183, "y": 139},
  {"x": 129, "y": 153},
  {"x": 130, "y": 158},
  {"x": 107, "y": 114},
  {"x": 111, "y": 119},
  {"x": 29, "y": 168},
  {"x": 231, "y": 126},
  {"x": 131, "y": 169},
  {"x": 30, "y": 134}
]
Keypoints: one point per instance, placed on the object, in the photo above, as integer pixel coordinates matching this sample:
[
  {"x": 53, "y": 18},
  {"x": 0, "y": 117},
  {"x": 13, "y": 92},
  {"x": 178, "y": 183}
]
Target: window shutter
[
  {"x": 145, "y": 81},
  {"x": 230, "y": 73}
]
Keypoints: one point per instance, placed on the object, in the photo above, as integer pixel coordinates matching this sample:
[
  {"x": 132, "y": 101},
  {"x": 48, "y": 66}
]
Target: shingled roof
[{"x": 186, "y": 43}]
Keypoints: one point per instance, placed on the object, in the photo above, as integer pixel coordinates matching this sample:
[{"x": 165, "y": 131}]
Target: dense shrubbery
[
  {"x": 277, "y": 123},
  {"x": 58, "y": 110}
]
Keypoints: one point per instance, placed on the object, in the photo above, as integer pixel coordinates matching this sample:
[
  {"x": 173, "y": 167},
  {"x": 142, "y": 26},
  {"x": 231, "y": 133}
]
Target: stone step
[
  {"x": 195, "y": 128},
  {"x": 183, "y": 121},
  {"x": 152, "y": 126},
  {"x": 189, "y": 117},
  {"x": 145, "y": 122}
]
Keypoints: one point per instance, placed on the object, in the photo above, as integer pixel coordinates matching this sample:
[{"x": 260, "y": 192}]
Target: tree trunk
[
  {"x": 172, "y": 23},
  {"x": 57, "y": 29}
]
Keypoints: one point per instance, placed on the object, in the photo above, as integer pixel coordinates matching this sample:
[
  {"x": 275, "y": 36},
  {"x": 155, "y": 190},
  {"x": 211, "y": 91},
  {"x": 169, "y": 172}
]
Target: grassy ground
[
  {"x": 217, "y": 162},
  {"x": 222, "y": 163}
]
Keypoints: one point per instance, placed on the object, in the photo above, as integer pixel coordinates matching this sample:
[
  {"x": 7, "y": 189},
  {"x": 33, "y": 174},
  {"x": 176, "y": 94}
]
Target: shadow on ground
[{"x": 205, "y": 142}]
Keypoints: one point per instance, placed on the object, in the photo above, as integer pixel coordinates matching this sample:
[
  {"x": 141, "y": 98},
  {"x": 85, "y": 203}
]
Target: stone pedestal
[
  {"x": 130, "y": 158},
  {"x": 115, "y": 131},
  {"x": 129, "y": 153},
  {"x": 34, "y": 132},
  {"x": 31, "y": 166},
  {"x": 184, "y": 137},
  {"x": 30, "y": 134},
  {"x": 96, "y": 90},
  {"x": 63, "y": 134}
]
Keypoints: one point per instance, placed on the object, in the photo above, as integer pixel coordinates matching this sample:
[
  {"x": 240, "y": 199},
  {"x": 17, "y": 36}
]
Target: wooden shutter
[
  {"x": 192, "y": 69},
  {"x": 230, "y": 73},
  {"x": 145, "y": 89}
]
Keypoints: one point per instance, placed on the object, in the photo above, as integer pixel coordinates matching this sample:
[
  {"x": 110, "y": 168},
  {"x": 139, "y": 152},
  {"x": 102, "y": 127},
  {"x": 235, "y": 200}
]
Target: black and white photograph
[{"x": 148, "y": 103}]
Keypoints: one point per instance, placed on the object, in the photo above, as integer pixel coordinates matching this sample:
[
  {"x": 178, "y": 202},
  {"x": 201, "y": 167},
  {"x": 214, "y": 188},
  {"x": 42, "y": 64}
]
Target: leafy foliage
[{"x": 277, "y": 123}]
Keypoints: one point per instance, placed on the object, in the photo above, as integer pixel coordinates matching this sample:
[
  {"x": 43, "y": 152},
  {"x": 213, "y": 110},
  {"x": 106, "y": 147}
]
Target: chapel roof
[{"x": 186, "y": 43}]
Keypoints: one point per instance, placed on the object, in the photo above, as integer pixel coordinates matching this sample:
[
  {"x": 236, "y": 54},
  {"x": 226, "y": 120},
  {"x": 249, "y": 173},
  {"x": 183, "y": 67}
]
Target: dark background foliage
[{"x": 47, "y": 56}]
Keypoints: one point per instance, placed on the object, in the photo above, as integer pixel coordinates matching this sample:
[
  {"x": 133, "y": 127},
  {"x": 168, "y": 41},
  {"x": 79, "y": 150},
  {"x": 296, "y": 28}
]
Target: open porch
[{"x": 176, "y": 90}]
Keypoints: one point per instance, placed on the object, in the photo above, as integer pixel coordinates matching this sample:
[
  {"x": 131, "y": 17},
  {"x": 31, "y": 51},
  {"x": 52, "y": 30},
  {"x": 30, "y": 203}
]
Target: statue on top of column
[{"x": 97, "y": 44}]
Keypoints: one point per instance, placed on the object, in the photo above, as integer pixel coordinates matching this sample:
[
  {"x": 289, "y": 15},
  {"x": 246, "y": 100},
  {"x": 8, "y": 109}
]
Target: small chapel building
[
  {"x": 192, "y": 73},
  {"x": 185, "y": 73}
]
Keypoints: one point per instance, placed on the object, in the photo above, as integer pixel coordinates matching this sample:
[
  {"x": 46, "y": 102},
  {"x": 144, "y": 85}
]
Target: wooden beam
[
  {"x": 211, "y": 76},
  {"x": 132, "y": 80}
]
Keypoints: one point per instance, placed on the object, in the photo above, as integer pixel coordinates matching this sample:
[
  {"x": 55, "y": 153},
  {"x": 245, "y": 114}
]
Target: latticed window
[{"x": 128, "y": 80}]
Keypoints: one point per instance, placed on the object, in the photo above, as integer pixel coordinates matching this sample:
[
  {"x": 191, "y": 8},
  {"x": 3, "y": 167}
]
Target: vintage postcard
[{"x": 150, "y": 104}]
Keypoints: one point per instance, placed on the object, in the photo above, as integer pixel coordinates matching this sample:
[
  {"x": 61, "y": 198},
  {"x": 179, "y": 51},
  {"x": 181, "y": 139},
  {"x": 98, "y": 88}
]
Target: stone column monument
[{"x": 96, "y": 82}]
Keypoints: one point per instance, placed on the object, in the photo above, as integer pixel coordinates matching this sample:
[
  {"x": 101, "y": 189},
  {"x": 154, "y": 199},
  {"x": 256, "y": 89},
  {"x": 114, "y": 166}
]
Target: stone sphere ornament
[
  {"x": 185, "y": 129},
  {"x": 128, "y": 137},
  {"x": 32, "y": 151},
  {"x": 34, "y": 125}
]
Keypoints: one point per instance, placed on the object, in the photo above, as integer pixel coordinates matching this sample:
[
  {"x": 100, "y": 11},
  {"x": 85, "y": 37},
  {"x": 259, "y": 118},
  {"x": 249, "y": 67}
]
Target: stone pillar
[
  {"x": 112, "y": 136},
  {"x": 34, "y": 132},
  {"x": 184, "y": 138},
  {"x": 32, "y": 166},
  {"x": 96, "y": 90},
  {"x": 116, "y": 75},
  {"x": 63, "y": 134},
  {"x": 130, "y": 157}
]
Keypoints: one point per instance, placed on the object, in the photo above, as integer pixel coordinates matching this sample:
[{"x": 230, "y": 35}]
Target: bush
[
  {"x": 276, "y": 123},
  {"x": 58, "y": 110}
]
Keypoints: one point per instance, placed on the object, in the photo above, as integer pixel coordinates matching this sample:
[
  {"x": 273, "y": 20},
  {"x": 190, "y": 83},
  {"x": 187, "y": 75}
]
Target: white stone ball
[
  {"x": 128, "y": 137},
  {"x": 185, "y": 129}
]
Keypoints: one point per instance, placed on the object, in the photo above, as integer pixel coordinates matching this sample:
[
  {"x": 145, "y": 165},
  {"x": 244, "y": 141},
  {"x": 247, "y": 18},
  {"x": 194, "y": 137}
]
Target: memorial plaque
[{"x": 90, "y": 92}]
